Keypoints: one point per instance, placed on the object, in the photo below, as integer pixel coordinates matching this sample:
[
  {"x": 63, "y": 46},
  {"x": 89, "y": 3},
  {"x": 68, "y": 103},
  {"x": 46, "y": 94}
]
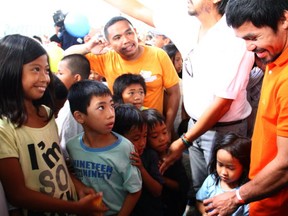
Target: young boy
[
  {"x": 71, "y": 69},
  {"x": 130, "y": 88},
  {"x": 101, "y": 158},
  {"x": 176, "y": 182},
  {"x": 130, "y": 123}
]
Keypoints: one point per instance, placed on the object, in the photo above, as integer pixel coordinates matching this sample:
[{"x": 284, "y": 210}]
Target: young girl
[
  {"x": 32, "y": 170},
  {"x": 176, "y": 183},
  {"x": 229, "y": 169},
  {"x": 130, "y": 88}
]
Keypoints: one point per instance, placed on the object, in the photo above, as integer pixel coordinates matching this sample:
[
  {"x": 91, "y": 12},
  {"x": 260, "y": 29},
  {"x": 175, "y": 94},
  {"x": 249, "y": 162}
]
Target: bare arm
[
  {"x": 19, "y": 195},
  {"x": 129, "y": 203},
  {"x": 152, "y": 185},
  {"x": 172, "y": 105},
  {"x": 134, "y": 9},
  {"x": 272, "y": 178},
  {"x": 95, "y": 45},
  {"x": 209, "y": 118}
]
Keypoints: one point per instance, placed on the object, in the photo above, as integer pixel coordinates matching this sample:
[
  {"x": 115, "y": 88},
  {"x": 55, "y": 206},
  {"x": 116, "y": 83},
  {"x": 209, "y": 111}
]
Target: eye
[
  {"x": 36, "y": 69},
  {"x": 100, "y": 108}
]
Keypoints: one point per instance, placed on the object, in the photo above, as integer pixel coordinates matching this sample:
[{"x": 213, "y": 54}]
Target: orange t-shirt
[
  {"x": 154, "y": 65},
  {"x": 271, "y": 121}
]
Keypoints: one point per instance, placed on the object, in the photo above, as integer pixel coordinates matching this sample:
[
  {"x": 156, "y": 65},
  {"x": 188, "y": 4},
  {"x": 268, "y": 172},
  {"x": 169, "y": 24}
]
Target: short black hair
[
  {"x": 111, "y": 22},
  {"x": 78, "y": 64},
  {"x": 126, "y": 117},
  {"x": 81, "y": 92},
  {"x": 153, "y": 117},
  {"x": 123, "y": 81}
]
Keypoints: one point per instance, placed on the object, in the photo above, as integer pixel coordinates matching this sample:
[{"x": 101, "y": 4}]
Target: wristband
[
  {"x": 241, "y": 201},
  {"x": 185, "y": 141}
]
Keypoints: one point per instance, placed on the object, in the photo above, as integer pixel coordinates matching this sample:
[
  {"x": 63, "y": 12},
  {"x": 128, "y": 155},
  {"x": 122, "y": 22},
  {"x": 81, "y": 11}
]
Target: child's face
[
  {"x": 138, "y": 136},
  {"x": 100, "y": 115},
  {"x": 229, "y": 168},
  {"x": 158, "y": 137},
  {"x": 134, "y": 94},
  {"x": 65, "y": 74},
  {"x": 35, "y": 78}
]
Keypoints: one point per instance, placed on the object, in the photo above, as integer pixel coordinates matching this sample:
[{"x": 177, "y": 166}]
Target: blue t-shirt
[
  {"x": 108, "y": 169},
  {"x": 209, "y": 189}
]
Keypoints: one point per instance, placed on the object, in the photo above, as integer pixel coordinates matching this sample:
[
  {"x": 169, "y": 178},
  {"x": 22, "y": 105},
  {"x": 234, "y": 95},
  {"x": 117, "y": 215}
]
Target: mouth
[{"x": 110, "y": 125}]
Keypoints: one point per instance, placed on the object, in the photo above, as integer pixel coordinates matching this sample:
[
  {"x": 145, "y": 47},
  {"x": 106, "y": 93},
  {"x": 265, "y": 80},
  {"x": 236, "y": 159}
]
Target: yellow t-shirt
[
  {"x": 40, "y": 156},
  {"x": 154, "y": 65}
]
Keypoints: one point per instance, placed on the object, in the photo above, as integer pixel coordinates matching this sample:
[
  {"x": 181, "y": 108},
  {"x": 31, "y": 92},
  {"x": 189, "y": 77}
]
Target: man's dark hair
[
  {"x": 259, "y": 12},
  {"x": 112, "y": 21}
]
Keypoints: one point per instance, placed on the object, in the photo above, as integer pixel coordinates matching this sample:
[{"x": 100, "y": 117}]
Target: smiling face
[
  {"x": 134, "y": 94},
  {"x": 100, "y": 115},
  {"x": 266, "y": 44},
  {"x": 228, "y": 168},
  {"x": 35, "y": 78}
]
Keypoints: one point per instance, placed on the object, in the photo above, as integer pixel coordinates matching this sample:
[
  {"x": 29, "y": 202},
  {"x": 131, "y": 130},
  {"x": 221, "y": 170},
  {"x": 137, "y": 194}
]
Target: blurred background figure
[{"x": 61, "y": 36}]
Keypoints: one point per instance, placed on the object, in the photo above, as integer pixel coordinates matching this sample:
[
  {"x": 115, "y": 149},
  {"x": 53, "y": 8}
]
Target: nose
[
  {"x": 111, "y": 113},
  {"x": 223, "y": 171},
  {"x": 44, "y": 76},
  {"x": 250, "y": 46}
]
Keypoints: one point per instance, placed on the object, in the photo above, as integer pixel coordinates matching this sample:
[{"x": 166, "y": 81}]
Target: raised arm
[{"x": 135, "y": 9}]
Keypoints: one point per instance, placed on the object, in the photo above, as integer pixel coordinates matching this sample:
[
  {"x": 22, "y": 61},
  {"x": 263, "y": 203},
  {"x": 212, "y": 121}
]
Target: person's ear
[
  {"x": 284, "y": 20},
  {"x": 79, "y": 117}
]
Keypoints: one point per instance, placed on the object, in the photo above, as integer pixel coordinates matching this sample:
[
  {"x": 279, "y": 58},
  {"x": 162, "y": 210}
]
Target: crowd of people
[{"x": 190, "y": 122}]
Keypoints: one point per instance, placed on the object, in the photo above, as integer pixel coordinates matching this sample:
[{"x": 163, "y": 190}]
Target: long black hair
[{"x": 15, "y": 51}]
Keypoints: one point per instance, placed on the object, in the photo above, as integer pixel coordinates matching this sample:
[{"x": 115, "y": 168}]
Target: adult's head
[
  {"x": 263, "y": 24},
  {"x": 122, "y": 37},
  {"x": 197, "y": 7}
]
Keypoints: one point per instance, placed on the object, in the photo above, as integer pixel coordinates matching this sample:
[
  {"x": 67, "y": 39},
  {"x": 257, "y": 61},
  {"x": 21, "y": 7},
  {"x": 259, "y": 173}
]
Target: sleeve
[
  {"x": 131, "y": 175},
  {"x": 8, "y": 140},
  {"x": 205, "y": 191}
]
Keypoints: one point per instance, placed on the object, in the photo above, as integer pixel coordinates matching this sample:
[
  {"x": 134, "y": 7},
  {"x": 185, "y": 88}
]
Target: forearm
[
  {"x": 135, "y": 9},
  {"x": 209, "y": 118},
  {"x": 172, "y": 106},
  {"x": 269, "y": 180},
  {"x": 41, "y": 202},
  {"x": 153, "y": 186},
  {"x": 129, "y": 203},
  {"x": 78, "y": 49}
]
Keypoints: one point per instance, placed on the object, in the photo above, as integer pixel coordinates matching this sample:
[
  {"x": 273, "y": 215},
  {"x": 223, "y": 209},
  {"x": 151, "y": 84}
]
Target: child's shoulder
[{"x": 123, "y": 140}]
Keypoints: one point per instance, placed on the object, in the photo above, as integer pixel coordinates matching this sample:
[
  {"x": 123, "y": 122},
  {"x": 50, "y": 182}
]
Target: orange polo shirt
[{"x": 271, "y": 121}]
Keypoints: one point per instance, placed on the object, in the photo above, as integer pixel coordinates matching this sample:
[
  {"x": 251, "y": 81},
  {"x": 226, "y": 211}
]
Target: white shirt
[{"x": 221, "y": 64}]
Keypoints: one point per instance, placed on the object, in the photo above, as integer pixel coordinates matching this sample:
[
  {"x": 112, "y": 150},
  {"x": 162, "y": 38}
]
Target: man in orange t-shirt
[
  {"x": 264, "y": 27},
  {"x": 127, "y": 56}
]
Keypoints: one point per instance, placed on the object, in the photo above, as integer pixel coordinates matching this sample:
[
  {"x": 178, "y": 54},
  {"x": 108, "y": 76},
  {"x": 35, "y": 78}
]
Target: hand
[
  {"x": 222, "y": 204},
  {"x": 174, "y": 153},
  {"x": 136, "y": 160},
  {"x": 91, "y": 206},
  {"x": 98, "y": 45}
]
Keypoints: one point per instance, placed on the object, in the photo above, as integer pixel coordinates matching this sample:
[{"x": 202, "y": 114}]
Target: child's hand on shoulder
[{"x": 136, "y": 160}]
